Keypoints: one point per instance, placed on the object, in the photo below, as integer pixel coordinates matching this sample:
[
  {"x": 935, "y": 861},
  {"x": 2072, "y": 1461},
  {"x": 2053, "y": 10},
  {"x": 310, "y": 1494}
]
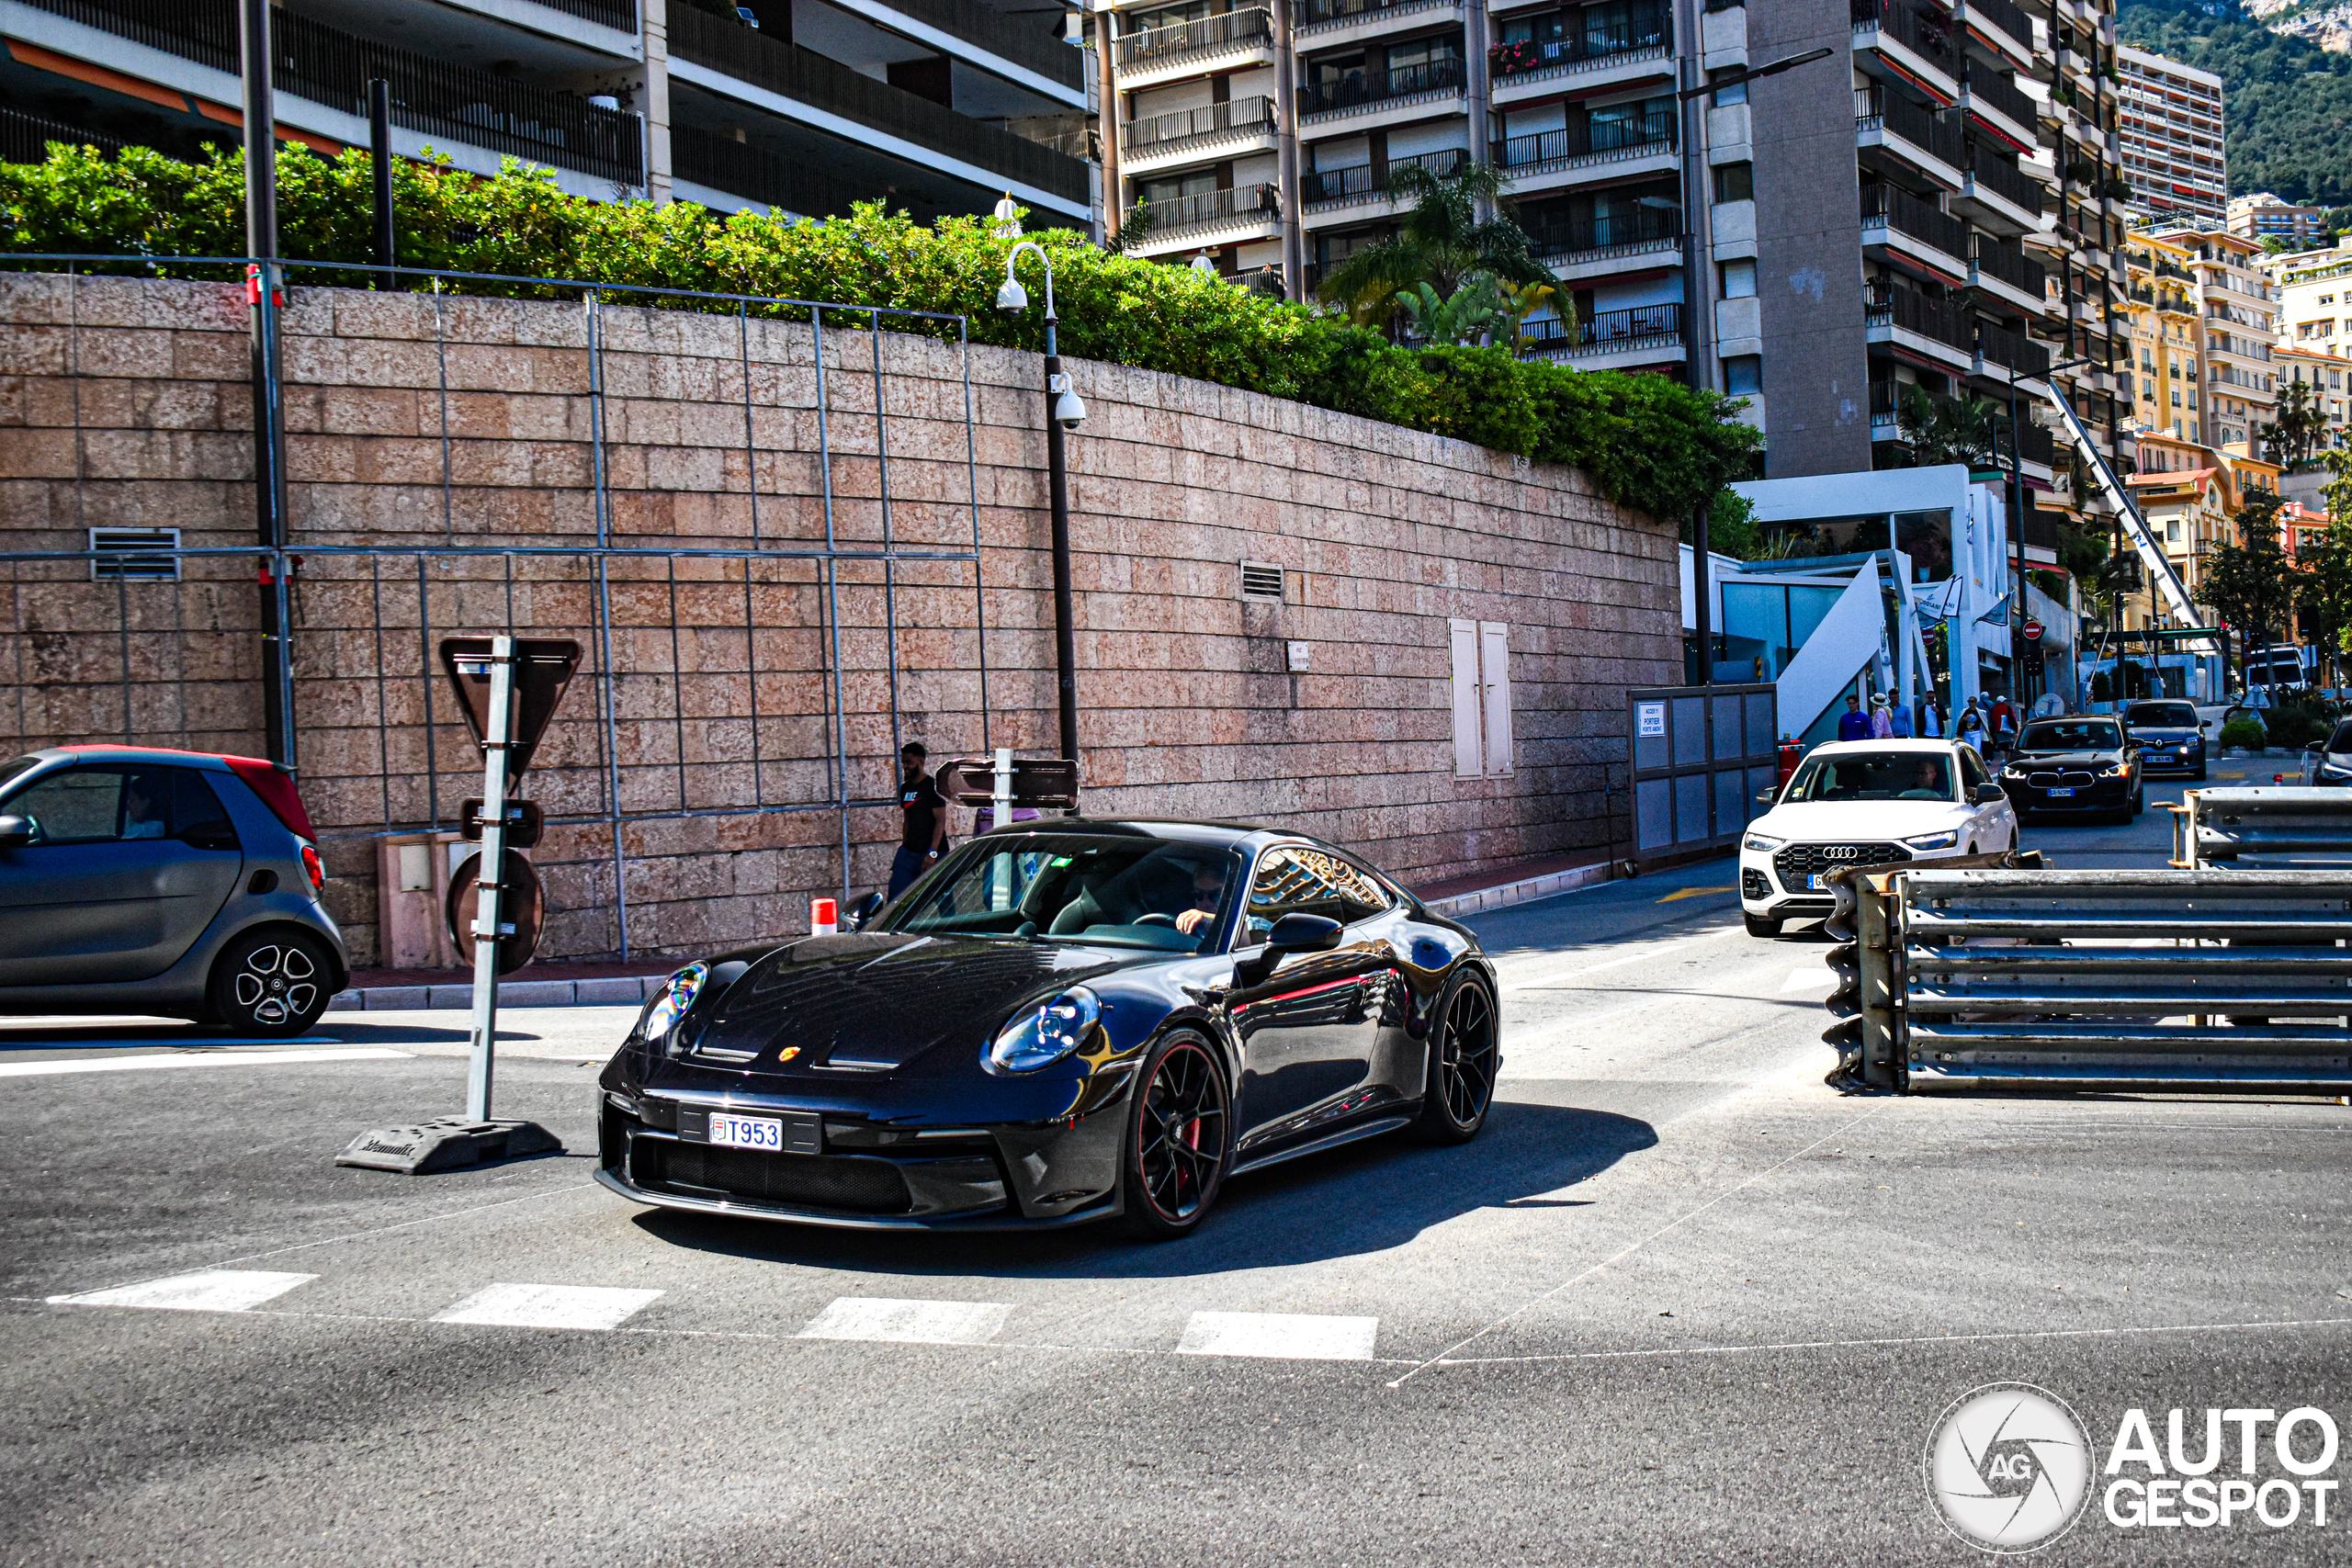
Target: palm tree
[
  {"x": 1947, "y": 429},
  {"x": 1443, "y": 241},
  {"x": 1475, "y": 309}
]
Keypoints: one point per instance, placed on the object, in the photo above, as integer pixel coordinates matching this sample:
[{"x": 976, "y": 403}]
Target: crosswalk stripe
[
  {"x": 908, "y": 1322},
  {"x": 1811, "y": 978},
  {"x": 1283, "y": 1335},
  {"x": 232, "y": 1059},
  {"x": 211, "y": 1290},
  {"x": 548, "y": 1307}
]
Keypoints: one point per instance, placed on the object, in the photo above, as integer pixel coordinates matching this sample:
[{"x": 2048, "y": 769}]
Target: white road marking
[
  {"x": 1811, "y": 978},
  {"x": 908, "y": 1322},
  {"x": 1555, "y": 977},
  {"x": 240, "y": 1059},
  {"x": 550, "y": 1306},
  {"x": 1296, "y": 1336},
  {"x": 212, "y": 1289}
]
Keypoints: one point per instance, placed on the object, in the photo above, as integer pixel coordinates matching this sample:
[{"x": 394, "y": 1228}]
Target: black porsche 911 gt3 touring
[{"x": 1060, "y": 1022}]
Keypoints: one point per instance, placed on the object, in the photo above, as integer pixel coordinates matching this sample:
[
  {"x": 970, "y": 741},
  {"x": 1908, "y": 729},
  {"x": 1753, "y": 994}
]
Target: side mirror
[
  {"x": 865, "y": 910},
  {"x": 2316, "y": 746},
  {"x": 1987, "y": 794},
  {"x": 16, "y": 831},
  {"x": 1303, "y": 933}
]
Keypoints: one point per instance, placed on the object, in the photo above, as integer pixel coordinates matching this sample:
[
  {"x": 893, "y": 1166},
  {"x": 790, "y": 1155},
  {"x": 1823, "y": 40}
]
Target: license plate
[
  {"x": 2062, "y": 793},
  {"x": 1813, "y": 881},
  {"x": 747, "y": 1131}
]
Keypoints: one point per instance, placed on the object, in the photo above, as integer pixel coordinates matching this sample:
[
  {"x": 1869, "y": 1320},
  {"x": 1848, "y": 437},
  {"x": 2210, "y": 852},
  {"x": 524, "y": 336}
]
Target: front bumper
[
  {"x": 2171, "y": 758},
  {"x": 863, "y": 1173},
  {"x": 1767, "y": 891},
  {"x": 2099, "y": 795}
]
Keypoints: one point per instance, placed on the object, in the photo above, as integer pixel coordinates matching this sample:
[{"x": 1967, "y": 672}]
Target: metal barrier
[
  {"x": 2014, "y": 977},
  {"x": 1702, "y": 756},
  {"x": 2224, "y": 827}
]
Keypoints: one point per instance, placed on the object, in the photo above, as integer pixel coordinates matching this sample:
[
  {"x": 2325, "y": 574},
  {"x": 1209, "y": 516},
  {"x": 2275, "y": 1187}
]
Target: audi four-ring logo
[{"x": 1840, "y": 851}]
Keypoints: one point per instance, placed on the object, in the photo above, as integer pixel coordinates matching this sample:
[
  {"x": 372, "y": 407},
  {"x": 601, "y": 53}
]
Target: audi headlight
[
  {"x": 671, "y": 1003},
  {"x": 1935, "y": 841},
  {"x": 1044, "y": 1034},
  {"x": 1762, "y": 842}
]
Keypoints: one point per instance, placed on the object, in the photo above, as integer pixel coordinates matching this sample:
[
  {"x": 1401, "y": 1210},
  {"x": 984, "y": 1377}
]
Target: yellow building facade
[{"x": 2167, "y": 348}]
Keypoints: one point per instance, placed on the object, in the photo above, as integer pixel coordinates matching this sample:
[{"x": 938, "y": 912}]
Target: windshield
[
  {"x": 1873, "y": 775},
  {"x": 2164, "y": 715},
  {"x": 1094, "y": 888},
  {"x": 14, "y": 769},
  {"x": 2342, "y": 739},
  {"x": 2070, "y": 735}
]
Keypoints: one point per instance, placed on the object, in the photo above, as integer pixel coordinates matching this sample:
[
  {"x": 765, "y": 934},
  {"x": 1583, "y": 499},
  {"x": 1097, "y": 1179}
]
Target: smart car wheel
[
  {"x": 1462, "y": 1058},
  {"x": 271, "y": 982},
  {"x": 1179, "y": 1134}
]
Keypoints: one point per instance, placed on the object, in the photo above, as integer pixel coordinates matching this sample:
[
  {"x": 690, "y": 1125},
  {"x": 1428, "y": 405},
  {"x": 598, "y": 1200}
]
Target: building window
[
  {"x": 1735, "y": 182},
  {"x": 1743, "y": 374},
  {"x": 1729, "y": 92},
  {"x": 1739, "y": 279},
  {"x": 2172, "y": 530}
]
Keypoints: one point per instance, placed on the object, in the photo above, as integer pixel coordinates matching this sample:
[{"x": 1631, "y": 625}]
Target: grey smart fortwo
[{"x": 180, "y": 884}]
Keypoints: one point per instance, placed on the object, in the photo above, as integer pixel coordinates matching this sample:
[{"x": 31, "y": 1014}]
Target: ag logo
[{"x": 2009, "y": 1468}]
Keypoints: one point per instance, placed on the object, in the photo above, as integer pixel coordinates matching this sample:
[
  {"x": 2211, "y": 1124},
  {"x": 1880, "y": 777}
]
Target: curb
[
  {"x": 630, "y": 991},
  {"x": 1509, "y": 893}
]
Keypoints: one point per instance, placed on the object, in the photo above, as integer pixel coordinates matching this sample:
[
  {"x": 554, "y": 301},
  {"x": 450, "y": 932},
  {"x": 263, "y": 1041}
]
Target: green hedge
[{"x": 1647, "y": 441}]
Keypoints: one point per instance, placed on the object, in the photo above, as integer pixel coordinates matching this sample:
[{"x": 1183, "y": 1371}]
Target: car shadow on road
[{"x": 1360, "y": 1199}]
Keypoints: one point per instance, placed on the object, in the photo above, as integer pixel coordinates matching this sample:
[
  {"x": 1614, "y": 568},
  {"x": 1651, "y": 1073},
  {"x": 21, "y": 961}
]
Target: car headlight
[
  {"x": 1761, "y": 841},
  {"x": 1044, "y": 1034},
  {"x": 2013, "y": 771},
  {"x": 671, "y": 1002},
  {"x": 2114, "y": 771},
  {"x": 2336, "y": 769},
  {"x": 1935, "y": 841}
]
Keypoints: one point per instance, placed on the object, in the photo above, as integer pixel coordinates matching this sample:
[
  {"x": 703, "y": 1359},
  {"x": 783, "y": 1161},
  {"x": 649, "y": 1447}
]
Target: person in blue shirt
[
  {"x": 1853, "y": 724},
  {"x": 1901, "y": 719}
]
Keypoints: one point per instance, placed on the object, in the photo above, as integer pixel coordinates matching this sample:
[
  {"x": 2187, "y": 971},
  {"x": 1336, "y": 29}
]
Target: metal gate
[{"x": 1701, "y": 755}]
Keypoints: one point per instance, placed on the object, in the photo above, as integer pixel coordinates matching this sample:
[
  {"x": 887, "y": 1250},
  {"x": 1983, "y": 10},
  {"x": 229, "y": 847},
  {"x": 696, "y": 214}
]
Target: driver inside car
[{"x": 1208, "y": 891}]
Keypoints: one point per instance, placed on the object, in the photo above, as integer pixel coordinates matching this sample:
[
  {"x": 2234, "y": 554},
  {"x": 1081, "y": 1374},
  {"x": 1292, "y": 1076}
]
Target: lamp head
[
  {"x": 1068, "y": 411},
  {"x": 1012, "y": 296}
]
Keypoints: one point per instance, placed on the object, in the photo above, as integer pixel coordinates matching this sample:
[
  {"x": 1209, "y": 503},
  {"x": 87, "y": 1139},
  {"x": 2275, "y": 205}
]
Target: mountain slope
[{"x": 2290, "y": 101}]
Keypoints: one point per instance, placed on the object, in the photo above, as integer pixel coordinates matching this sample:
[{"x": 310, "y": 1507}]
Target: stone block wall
[{"x": 445, "y": 453}]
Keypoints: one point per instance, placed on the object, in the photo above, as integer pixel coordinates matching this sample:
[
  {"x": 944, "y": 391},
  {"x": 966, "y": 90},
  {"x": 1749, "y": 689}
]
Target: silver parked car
[{"x": 183, "y": 884}]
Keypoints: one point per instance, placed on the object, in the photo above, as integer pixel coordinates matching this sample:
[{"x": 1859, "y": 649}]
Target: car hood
[
  {"x": 877, "y": 1000},
  {"x": 1821, "y": 821},
  {"x": 2065, "y": 759},
  {"x": 2164, "y": 734}
]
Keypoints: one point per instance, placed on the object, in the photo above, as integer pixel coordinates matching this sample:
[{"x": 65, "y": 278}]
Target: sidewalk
[{"x": 616, "y": 983}]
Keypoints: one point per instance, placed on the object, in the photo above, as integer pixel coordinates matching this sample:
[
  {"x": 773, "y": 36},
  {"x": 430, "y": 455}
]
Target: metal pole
[
  {"x": 1701, "y": 600},
  {"x": 2019, "y": 695},
  {"x": 1058, "y": 485},
  {"x": 261, "y": 291},
  {"x": 380, "y": 150},
  {"x": 498, "y": 734}
]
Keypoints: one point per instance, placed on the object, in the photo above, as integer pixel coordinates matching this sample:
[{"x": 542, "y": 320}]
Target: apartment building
[
  {"x": 2167, "y": 343},
  {"x": 2314, "y": 294},
  {"x": 1936, "y": 203},
  {"x": 2189, "y": 491},
  {"x": 2237, "y": 316},
  {"x": 936, "y": 106},
  {"x": 2171, "y": 135},
  {"x": 2264, "y": 217},
  {"x": 2324, "y": 375}
]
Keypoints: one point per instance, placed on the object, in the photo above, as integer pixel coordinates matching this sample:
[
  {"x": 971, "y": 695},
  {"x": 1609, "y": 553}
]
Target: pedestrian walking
[
  {"x": 1971, "y": 726},
  {"x": 924, "y": 836},
  {"x": 1881, "y": 720},
  {"x": 1853, "y": 724},
  {"x": 1931, "y": 719},
  {"x": 1899, "y": 716}
]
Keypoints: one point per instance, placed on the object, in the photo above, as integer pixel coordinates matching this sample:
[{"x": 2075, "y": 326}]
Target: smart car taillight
[{"x": 312, "y": 864}]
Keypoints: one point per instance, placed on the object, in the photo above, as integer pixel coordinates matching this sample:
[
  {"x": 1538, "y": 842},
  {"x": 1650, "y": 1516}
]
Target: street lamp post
[
  {"x": 1063, "y": 411},
  {"x": 2017, "y": 531}
]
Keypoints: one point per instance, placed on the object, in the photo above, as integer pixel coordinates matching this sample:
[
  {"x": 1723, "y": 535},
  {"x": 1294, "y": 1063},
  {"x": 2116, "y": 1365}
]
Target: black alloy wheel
[
  {"x": 1180, "y": 1134},
  {"x": 1463, "y": 1054},
  {"x": 271, "y": 982}
]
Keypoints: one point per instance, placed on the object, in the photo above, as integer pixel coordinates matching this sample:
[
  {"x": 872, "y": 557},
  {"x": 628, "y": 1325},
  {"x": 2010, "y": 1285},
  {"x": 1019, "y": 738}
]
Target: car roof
[
  {"x": 1175, "y": 831},
  {"x": 1893, "y": 743},
  {"x": 216, "y": 762}
]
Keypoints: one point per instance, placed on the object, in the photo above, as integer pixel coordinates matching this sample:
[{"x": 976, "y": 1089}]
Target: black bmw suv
[{"x": 2075, "y": 765}]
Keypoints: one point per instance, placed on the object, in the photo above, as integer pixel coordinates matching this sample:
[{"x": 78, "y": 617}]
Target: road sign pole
[
  {"x": 1001, "y": 808},
  {"x": 498, "y": 734}
]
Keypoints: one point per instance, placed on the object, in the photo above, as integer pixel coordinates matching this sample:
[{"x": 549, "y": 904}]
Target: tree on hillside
[
  {"x": 1443, "y": 241},
  {"x": 2288, "y": 100}
]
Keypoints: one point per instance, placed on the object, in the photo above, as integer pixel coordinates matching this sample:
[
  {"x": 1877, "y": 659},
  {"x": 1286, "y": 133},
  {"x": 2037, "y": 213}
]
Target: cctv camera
[
  {"x": 1068, "y": 412},
  {"x": 1012, "y": 296}
]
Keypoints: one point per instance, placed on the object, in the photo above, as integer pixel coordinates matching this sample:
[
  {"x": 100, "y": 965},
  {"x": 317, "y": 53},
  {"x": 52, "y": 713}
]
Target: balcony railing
[
  {"x": 1317, "y": 11},
  {"x": 431, "y": 97},
  {"x": 1233, "y": 30},
  {"x": 1998, "y": 345},
  {"x": 1588, "y": 137},
  {"x": 1610, "y": 332},
  {"x": 2003, "y": 17},
  {"x": 1363, "y": 180},
  {"x": 2013, "y": 268},
  {"x": 1925, "y": 32},
  {"x": 1211, "y": 209},
  {"x": 2039, "y": 527},
  {"x": 1936, "y": 135},
  {"x": 1601, "y": 34},
  {"x": 727, "y": 165},
  {"x": 1264, "y": 281},
  {"x": 1897, "y": 209},
  {"x": 1995, "y": 92},
  {"x": 1440, "y": 75},
  {"x": 24, "y": 138},
  {"x": 1242, "y": 117},
  {"x": 1017, "y": 37},
  {"x": 792, "y": 72},
  {"x": 1990, "y": 174},
  {"x": 1915, "y": 312},
  {"x": 1595, "y": 238}
]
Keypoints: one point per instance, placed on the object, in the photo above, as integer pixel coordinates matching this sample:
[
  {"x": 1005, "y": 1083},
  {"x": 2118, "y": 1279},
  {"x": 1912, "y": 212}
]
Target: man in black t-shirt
[{"x": 926, "y": 819}]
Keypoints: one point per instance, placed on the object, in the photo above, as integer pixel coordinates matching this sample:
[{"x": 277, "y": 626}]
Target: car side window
[
  {"x": 1971, "y": 770},
  {"x": 96, "y": 805},
  {"x": 1294, "y": 879}
]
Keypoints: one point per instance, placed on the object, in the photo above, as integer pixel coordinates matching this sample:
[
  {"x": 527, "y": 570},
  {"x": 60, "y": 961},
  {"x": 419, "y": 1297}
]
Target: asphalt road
[{"x": 1679, "y": 1303}]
